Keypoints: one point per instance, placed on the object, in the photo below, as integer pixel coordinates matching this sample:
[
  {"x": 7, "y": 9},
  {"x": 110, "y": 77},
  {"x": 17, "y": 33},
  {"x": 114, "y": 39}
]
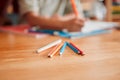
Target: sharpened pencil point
[
  {"x": 37, "y": 51},
  {"x": 60, "y": 54},
  {"x": 50, "y": 56}
]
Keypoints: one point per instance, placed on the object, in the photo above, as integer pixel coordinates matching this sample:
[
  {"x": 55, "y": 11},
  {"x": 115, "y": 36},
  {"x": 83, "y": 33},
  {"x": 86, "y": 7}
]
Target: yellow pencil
[{"x": 54, "y": 50}]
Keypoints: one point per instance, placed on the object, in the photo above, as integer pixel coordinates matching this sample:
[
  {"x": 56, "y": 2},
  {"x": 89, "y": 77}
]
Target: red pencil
[
  {"x": 81, "y": 52},
  {"x": 74, "y": 8}
]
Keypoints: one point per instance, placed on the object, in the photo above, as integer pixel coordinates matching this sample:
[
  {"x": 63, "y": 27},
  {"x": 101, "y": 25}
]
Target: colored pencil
[
  {"x": 73, "y": 48},
  {"x": 63, "y": 48},
  {"x": 74, "y": 8},
  {"x": 49, "y": 45},
  {"x": 81, "y": 52},
  {"x": 54, "y": 50}
]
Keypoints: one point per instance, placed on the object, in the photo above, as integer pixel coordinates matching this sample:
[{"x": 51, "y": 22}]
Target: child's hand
[
  {"x": 73, "y": 24},
  {"x": 70, "y": 22}
]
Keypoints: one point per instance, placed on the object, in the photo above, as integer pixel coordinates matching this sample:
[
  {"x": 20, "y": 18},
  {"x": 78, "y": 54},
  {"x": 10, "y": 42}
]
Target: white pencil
[{"x": 49, "y": 45}]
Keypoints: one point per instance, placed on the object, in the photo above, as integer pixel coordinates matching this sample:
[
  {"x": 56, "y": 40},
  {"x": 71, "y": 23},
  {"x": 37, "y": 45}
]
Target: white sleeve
[
  {"x": 28, "y": 6},
  {"x": 79, "y": 7}
]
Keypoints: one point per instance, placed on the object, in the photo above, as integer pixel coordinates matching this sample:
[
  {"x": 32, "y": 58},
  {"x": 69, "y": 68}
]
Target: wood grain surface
[{"x": 18, "y": 60}]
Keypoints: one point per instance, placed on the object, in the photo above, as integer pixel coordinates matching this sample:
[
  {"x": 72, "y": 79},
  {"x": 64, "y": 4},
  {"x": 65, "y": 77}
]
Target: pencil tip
[
  {"x": 60, "y": 54},
  {"x": 82, "y": 54},
  {"x": 49, "y": 56},
  {"x": 37, "y": 52}
]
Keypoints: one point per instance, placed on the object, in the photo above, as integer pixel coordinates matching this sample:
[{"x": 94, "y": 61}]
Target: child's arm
[
  {"x": 30, "y": 10},
  {"x": 71, "y": 23}
]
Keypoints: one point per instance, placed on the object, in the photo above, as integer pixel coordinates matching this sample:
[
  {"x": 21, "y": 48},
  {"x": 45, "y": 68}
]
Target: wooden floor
[{"x": 18, "y": 60}]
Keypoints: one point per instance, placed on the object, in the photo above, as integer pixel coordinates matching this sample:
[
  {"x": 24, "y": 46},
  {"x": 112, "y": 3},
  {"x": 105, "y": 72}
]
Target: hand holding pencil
[{"x": 73, "y": 22}]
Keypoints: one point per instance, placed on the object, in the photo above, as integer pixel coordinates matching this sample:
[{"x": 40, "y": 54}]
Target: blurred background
[{"x": 107, "y": 10}]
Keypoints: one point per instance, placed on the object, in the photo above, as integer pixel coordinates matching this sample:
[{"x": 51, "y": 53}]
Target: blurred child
[{"x": 52, "y": 14}]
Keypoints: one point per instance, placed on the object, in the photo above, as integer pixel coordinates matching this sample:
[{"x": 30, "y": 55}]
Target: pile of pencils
[{"x": 60, "y": 46}]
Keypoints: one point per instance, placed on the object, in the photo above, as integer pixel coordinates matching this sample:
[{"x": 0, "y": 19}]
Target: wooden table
[{"x": 18, "y": 60}]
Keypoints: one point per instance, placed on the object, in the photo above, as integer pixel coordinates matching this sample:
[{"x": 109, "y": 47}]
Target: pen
[
  {"x": 54, "y": 50},
  {"x": 49, "y": 45}
]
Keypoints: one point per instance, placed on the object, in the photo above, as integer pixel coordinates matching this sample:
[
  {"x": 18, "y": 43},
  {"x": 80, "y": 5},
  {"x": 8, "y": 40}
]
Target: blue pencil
[
  {"x": 63, "y": 48},
  {"x": 43, "y": 31},
  {"x": 73, "y": 48},
  {"x": 62, "y": 34},
  {"x": 52, "y": 32}
]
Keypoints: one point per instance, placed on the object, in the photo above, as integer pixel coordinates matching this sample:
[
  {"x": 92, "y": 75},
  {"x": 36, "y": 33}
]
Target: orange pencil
[
  {"x": 74, "y": 8},
  {"x": 54, "y": 51}
]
